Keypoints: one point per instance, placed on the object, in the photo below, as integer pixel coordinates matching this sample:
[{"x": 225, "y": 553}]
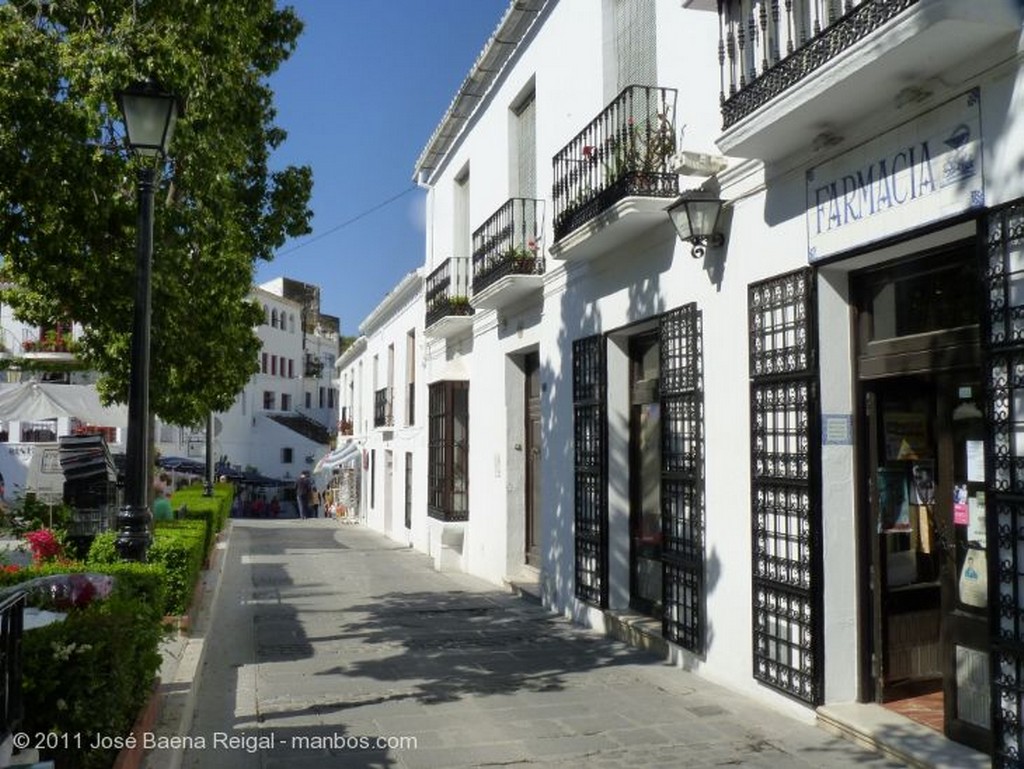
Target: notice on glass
[{"x": 976, "y": 461}]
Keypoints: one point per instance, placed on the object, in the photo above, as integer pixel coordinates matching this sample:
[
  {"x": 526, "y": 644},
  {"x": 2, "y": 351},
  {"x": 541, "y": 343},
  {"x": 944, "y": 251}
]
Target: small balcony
[
  {"x": 508, "y": 261},
  {"x": 449, "y": 311},
  {"x": 312, "y": 367},
  {"x": 49, "y": 344},
  {"x": 383, "y": 413},
  {"x": 794, "y": 73},
  {"x": 616, "y": 174}
]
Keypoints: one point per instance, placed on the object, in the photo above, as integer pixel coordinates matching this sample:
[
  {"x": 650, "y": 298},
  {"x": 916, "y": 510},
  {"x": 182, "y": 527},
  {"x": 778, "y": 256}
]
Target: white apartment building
[
  {"x": 792, "y": 443},
  {"x": 382, "y": 413},
  {"x": 285, "y": 417}
]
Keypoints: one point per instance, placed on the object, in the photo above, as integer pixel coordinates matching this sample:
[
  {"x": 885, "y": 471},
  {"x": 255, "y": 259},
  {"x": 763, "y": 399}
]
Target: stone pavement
[{"x": 332, "y": 646}]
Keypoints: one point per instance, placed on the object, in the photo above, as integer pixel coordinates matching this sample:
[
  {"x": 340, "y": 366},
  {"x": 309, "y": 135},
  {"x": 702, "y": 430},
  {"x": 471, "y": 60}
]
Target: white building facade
[
  {"x": 286, "y": 416},
  {"x": 795, "y": 444},
  {"x": 383, "y": 415}
]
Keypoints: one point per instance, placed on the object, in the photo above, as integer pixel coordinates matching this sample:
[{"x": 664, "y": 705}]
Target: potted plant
[{"x": 458, "y": 304}]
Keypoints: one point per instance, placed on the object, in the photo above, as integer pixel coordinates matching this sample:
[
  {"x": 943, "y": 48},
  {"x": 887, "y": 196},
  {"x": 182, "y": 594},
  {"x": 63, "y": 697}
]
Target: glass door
[
  {"x": 645, "y": 476},
  {"x": 927, "y": 528}
]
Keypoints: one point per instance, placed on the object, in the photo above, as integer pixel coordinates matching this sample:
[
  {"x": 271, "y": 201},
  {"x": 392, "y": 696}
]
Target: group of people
[{"x": 306, "y": 496}]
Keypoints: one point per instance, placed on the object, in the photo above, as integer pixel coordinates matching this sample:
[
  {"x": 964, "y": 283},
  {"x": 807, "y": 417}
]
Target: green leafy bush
[
  {"x": 90, "y": 675},
  {"x": 142, "y": 582},
  {"x": 178, "y": 547}
]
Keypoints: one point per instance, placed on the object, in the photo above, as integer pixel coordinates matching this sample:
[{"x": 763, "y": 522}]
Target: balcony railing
[
  {"x": 382, "y": 411},
  {"x": 509, "y": 243},
  {"x": 313, "y": 367},
  {"x": 626, "y": 150},
  {"x": 11, "y": 628},
  {"x": 766, "y": 46},
  {"x": 58, "y": 340},
  {"x": 447, "y": 290}
]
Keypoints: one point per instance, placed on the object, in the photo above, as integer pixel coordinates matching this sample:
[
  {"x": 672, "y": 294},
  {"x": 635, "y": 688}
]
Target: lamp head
[
  {"x": 150, "y": 114},
  {"x": 695, "y": 215}
]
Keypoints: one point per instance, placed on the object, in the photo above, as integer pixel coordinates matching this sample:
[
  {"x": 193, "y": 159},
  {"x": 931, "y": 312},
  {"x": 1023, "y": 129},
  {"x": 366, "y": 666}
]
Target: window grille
[
  {"x": 1003, "y": 340},
  {"x": 785, "y": 486},
  {"x": 448, "y": 451},
  {"x": 590, "y": 466},
  {"x": 682, "y": 487}
]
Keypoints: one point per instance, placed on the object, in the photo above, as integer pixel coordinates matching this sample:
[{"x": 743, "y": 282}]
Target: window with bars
[
  {"x": 448, "y": 451},
  {"x": 1003, "y": 342},
  {"x": 682, "y": 486},
  {"x": 785, "y": 467},
  {"x": 590, "y": 466}
]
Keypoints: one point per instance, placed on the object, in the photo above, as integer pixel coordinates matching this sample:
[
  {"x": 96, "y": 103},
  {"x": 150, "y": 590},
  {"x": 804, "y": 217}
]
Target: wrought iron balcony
[
  {"x": 383, "y": 415},
  {"x": 313, "y": 367},
  {"x": 447, "y": 295},
  {"x": 508, "y": 244},
  {"x": 626, "y": 150},
  {"x": 831, "y": 62}
]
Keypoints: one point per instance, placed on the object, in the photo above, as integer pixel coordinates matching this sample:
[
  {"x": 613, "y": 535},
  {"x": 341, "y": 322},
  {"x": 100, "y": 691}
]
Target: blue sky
[{"x": 360, "y": 96}]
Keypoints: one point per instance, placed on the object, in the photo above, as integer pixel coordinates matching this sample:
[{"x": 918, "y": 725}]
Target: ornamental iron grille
[
  {"x": 448, "y": 451},
  {"x": 590, "y": 469},
  {"x": 768, "y": 46},
  {"x": 785, "y": 486},
  {"x": 626, "y": 150},
  {"x": 1003, "y": 340},
  {"x": 682, "y": 486}
]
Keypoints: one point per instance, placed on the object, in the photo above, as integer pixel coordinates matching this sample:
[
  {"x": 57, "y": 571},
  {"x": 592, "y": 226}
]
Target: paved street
[{"x": 324, "y": 634}]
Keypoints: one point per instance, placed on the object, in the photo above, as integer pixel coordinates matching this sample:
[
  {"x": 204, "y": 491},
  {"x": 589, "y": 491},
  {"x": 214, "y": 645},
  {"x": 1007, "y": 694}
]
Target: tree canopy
[{"x": 68, "y": 199}]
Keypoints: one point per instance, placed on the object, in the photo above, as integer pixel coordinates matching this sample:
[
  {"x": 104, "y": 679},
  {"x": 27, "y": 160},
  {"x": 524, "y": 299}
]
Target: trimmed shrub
[
  {"x": 180, "y": 547},
  {"x": 90, "y": 675},
  {"x": 177, "y": 549},
  {"x": 142, "y": 582}
]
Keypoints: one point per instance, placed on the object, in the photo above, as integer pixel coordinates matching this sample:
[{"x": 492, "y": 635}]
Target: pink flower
[
  {"x": 44, "y": 545},
  {"x": 588, "y": 150}
]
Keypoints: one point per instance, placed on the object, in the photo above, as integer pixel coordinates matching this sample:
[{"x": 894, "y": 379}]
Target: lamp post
[
  {"x": 695, "y": 216},
  {"x": 149, "y": 116}
]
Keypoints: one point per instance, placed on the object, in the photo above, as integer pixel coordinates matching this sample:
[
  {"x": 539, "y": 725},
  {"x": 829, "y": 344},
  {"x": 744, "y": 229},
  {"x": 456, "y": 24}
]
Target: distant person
[
  {"x": 162, "y": 509},
  {"x": 303, "y": 492},
  {"x": 275, "y": 507}
]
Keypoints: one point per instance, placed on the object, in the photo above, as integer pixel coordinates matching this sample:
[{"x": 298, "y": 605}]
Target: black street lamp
[
  {"x": 149, "y": 117},
  {"x": 695, "y": 215}
]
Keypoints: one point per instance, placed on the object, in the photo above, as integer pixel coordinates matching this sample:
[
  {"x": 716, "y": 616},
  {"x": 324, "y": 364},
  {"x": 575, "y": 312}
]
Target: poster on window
[
  {"x": 922, "y": 485},
  {"x": 974, "y": 579},
  {"x": 893, "y": 500},
  {"x": 906, "y": 435}
]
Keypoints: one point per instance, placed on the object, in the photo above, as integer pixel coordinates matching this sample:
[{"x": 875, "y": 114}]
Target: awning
[
  {"x": 36, "y": 401},
  {"x": 346, "y": 455}
]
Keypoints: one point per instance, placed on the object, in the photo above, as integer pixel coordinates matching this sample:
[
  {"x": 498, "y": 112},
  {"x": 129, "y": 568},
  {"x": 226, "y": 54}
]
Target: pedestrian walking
[{"x": 303, "y": 491}]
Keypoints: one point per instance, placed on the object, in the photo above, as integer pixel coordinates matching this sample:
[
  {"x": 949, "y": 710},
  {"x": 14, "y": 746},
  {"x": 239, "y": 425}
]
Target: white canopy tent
[{"x": 36, "y": 401}]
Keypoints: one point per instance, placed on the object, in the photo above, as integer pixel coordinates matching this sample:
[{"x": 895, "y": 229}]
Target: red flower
[
  {"x": 44, "y": 545},
  {"x": 588, "y": 150}
]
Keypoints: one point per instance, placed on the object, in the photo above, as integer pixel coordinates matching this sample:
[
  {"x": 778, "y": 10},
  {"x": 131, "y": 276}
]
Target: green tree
[{"x": 68, "y": 206}]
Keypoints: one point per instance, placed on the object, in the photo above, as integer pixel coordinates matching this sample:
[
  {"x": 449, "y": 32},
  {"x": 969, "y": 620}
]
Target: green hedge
[
  {"x": 178, "y": 547},
  {"x": 213, "y": 510},
  {"x": 143, "y": 582},
  {"x": 90, "y": 675}
]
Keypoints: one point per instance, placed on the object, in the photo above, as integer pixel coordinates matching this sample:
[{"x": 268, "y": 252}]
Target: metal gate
[{"x": 785, "y": 467}]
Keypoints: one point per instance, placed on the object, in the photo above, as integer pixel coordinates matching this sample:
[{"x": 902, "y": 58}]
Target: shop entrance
[
  {"x": 645, "y": 552},
  {"x": 923, "y": 495}
]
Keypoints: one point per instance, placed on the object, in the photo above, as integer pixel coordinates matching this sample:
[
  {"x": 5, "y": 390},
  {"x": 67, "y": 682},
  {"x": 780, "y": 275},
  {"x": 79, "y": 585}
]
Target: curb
[{"x": 179, "y": 693}]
